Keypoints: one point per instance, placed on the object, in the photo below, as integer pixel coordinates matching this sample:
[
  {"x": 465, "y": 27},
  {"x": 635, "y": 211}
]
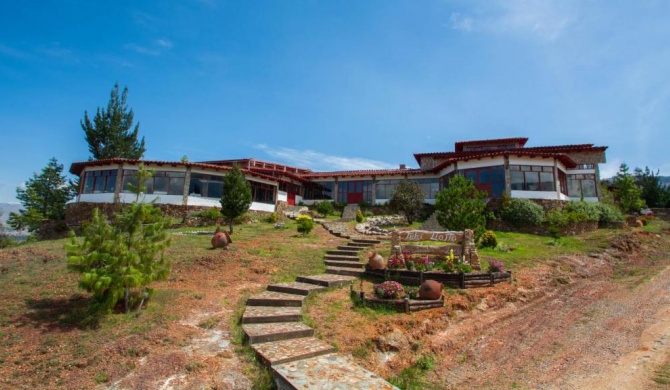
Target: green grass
[
  {"x": 414, "y": 376},
  {"x": 662, "y": 373}
]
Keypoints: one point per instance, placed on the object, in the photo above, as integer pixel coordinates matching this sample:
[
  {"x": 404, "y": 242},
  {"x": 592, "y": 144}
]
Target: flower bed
[
  {"x": 405, "y": 304},
  {"x": 453, "y": 280}
]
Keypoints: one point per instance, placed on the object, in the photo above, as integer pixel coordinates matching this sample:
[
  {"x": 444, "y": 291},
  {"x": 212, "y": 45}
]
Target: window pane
[
  {"x": 484, "y": 176},
  {"x": 160, "y": 185},
  {"x": 214, "y": 189},
  {"x": 88, "y": 183},
  {"x": 471, "y": 175},
  {"x": 588, "y": 188},
  {"x": 532, "y": 181},
  {"x": 498, "y": 173},
  {"x": 516, "y": 179},
  {"x": 127, "y": 181},
  {"x": 111, "y": 183},
  {"x": 98, "y": 187},
  {"x": 536, "y": 168},
  {"x": 176, "y": 186},
  {"x": 574, "y": 188},
  {"x": 547, "y": 181}
]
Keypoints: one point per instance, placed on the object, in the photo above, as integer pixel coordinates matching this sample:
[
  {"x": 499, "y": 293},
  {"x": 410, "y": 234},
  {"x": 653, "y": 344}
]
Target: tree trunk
[{"x": 230, "y": 226}]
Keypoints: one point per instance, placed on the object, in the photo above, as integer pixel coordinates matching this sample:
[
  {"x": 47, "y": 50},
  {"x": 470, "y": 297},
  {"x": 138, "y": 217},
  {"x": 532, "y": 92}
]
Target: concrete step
[
  {"x": 295, "y": 288},
  {"x": 327, "y": 372},
  {"x": 285, "y": 351},
  {"x": 326, "y": 280},
  {"x": 335, "y": 252},
  {"x": 263, "y": 333},
  {"x": 357, "y": 245},
  {"x": 345, "y": 264},
  {"x": 365, "y": 241},
  {"x": 275, "y": 298},
  {"x": 266, "y": 314},
  {"x": 350, "y": 249},
  {"x": 341, "y": 258},
  {"x": 344, "y": 271}
]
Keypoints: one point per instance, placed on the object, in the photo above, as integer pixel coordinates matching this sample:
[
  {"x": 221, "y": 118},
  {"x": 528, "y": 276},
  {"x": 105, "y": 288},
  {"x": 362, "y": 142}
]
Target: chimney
[{"x": 403, "y": 166}]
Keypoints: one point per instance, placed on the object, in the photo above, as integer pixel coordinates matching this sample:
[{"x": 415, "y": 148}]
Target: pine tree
[
  {"x": 653, "y": 192},
  {"x": 236, "y": 197},
  {"x": 109, "y": 134},
  {"x": 44, "y": 198},
  {"x": 118, "y": 260},
  {"x": 407, "y": 199},
  {"x": 461, "y": 206},
  {"x": 626, "y": 192}
]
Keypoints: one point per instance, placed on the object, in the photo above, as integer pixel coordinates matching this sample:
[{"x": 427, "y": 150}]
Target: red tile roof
[
  {"x": 458, "y": 146},
  {"x": 370, "y": 172},
  {"x": 567, "y": 161}
]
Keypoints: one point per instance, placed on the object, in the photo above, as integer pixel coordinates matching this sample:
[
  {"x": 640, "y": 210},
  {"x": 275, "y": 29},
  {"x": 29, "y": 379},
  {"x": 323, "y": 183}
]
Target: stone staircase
[{"x": 272, "y": 323}]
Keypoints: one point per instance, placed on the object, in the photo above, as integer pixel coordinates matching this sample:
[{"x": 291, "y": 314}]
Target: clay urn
[
  {"x": 376, "y": 261},
  {"x": 221, "y": 240},
  {"x": 430, "y": 289}
]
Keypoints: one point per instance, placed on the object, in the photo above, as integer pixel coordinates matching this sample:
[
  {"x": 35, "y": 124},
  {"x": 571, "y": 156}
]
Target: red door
[
  {"x": 354, "y": 192},
  {"x": 291, "y": 199}
]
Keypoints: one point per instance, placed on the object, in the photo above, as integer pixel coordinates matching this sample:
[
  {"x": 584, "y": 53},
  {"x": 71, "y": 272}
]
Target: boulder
[{"x": 221, "y": 240}]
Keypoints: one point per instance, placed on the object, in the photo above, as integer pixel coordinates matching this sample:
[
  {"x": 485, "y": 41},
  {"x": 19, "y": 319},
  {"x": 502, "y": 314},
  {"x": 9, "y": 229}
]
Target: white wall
[
  {"x": 545, "y": 162},
  {"x": 550, "y": 195},
  {"x": 282, "y": 196},
  {"x": 489, "y": 162},
  {"x": 200, "y": 201},
  {"x": 97, "y": 198},
  {"x": 160, "y": 199},
  {"x": 262, "y": 207}
]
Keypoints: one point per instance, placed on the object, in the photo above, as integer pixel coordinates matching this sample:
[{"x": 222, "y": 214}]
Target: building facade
[{"x": 498, "y": 166}]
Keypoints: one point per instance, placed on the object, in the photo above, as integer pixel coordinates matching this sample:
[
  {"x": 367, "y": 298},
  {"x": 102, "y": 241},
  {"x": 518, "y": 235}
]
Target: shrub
[
  {"x": 396, "y": 262},
  {"x": 389, "y": 290},
  {"x": 325, "y": 208},
  {"x": 305, "y": 224},
  {"x": 6, "y": 241},
  {"x": 522, "y": 212},
  {"x": 208, "y": 215},
  {"x": 407, "y": 199},
  {"x": 271, "y": 218},
  {"x": 609, "y": 213},
  {"x": 461, "y": 206},
  {"x": 589, "y": 210},
  {"x": 359, "y": 216},
  {"x": 489, "y": 240},
  {"x": 368, "y": 213}
]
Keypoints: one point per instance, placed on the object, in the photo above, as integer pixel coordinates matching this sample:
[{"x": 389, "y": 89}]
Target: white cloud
[
  {"x": 141, "y": 49},
  {"x": 460, "y": 22},
  {"x": 321, "y": 162},
  {"x": 545, "y": 20},
  {"x": 611, "y": 168},
  {"x": 164, "y": 43}
]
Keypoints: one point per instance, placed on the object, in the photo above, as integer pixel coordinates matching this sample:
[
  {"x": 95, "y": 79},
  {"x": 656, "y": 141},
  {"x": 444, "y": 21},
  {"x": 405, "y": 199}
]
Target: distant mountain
[
  {"x": 665, "y": 180},
  {"x": 6, "y": 208}
]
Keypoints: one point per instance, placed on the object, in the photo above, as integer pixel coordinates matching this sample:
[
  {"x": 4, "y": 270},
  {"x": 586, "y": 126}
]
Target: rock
[{"x": 395, "y": 341}]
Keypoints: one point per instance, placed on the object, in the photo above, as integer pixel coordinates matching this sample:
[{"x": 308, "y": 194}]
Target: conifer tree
[
  {"x": 43, "y": 198},
  {"x": 407, "y": 199},
  {"x": 118, "y": 260},
  {"x": 236, "y": 197},
  {"x": 110, "y": 134},
  {"x": 461, "y": 206},
  {"x": 627, "y": 194}
]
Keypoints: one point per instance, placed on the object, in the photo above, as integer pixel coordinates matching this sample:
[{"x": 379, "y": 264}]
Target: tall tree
[
  {"x": 236, "y": 197},
  {"x": 407, "y": 199},
  {"x": 110, "y": 135},
  {"x": 627, "y": 194},
  {"x": 461, "y": 206},
  {"x": 43, "y": 198},
  {"x": 653, "y": 192}
]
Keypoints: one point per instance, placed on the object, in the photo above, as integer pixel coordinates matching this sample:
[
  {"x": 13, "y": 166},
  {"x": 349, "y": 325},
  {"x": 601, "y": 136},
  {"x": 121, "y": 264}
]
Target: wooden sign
[{"x": 423, "y": 235}]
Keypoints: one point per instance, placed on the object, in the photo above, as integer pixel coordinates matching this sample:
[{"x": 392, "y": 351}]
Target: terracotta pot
[
  {"x": 221, "y": 240},
  {"x": 376, "y": 261},
  {"x": 430, "y": 289}
]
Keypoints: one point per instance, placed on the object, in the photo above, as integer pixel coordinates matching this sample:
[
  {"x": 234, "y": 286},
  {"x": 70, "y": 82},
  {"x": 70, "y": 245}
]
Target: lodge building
[{"x": 497, "y": 166}]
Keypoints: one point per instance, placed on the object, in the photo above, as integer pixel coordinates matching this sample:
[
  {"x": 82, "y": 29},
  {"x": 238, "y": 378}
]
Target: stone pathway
[{"x": 273, "y": 327}]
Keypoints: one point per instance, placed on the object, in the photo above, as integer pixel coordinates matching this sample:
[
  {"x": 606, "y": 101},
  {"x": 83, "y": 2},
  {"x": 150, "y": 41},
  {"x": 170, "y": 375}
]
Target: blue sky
[{"x": 333, "y": 85}]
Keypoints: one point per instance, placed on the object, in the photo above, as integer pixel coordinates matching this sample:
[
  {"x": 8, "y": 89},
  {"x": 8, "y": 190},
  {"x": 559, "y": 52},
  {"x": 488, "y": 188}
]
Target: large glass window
[
  {"x": 430, "y": 187},
  {"x": 206, "y": 186},
  {"x": 263, "y": 193},
  {"x": 532, "y": 178},
  {"x": 319, "y": 190},
  {"x": 488, "y": 179},
  {"x": 96, "y": 182},
  {"x": 385, "y": 188},
  {"x": 582, "y": 186},
  {"x": 160, "y": 183}
]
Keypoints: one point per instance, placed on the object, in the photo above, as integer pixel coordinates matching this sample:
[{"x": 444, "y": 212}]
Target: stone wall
[{"x": 663, "y": 214}]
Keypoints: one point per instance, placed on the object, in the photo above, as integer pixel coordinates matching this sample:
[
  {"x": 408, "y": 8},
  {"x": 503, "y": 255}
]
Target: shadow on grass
[{"x": 65, "y": 314}]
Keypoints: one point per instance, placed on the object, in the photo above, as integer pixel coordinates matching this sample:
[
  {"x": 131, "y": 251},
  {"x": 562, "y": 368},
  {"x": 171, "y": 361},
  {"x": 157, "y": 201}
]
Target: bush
[
  {"x": 325, "y": 208},
  {"x": 522, "y": 212},
  {"x": 271, "y": 218},
  {"x": 210, "y": 215},
  {"x": 305, "y": 224},
  {"x": 461, "y": 206},
  {"x": 588, "y": 210},
  {"x": 6, "y": 241},
  {"x": 359, "y": 216},
  {"x": 489, "y": 240},
  {"x": 609, "y": 213}
]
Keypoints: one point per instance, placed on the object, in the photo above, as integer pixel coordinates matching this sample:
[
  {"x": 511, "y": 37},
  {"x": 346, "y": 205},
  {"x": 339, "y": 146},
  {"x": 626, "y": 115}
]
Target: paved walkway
[{"x": 272, "y": 324}]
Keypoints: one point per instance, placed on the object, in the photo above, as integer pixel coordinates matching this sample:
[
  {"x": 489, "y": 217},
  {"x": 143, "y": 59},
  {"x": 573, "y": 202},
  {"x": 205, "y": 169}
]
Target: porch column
[
  {"x": 599, "y": 191},
  {"x": 335, "y": 189},
  {"x": 187, "y": 185},
  {"x": 374, "y": 190},
  {"x": 508, "y": 177},
  {"x": 557, "y": 182}
]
